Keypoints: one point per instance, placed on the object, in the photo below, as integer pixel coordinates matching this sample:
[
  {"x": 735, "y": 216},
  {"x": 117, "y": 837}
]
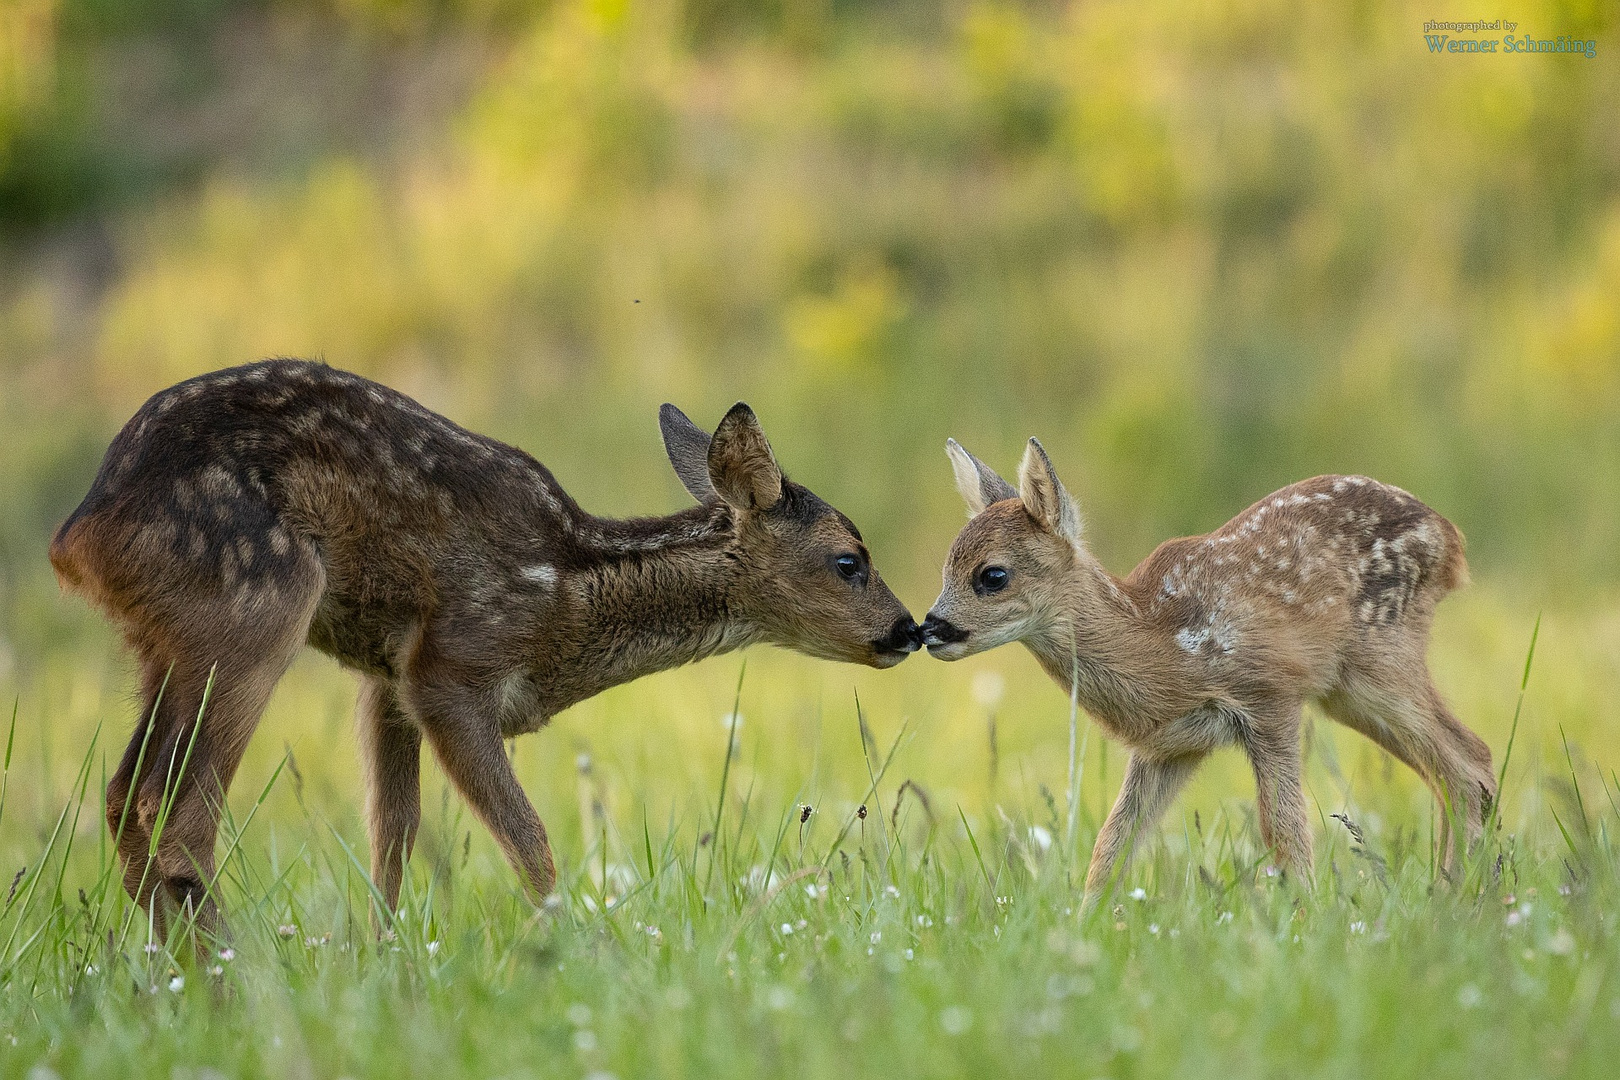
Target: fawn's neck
[
  {"x": 659, "y": 593},
  {"x": 1099, "y": 646}
]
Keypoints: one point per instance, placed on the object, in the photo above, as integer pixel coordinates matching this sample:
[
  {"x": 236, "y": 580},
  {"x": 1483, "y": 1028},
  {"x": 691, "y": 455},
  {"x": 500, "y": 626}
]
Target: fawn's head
[
  {"x": 1008, "y": 569},
  {"x": 805, "y": 578}
]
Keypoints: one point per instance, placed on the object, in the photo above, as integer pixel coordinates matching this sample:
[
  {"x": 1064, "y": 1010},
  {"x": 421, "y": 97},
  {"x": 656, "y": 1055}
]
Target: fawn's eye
[
  {"x": 993, "y": 579},
  {"x": 848, "y": 566}
]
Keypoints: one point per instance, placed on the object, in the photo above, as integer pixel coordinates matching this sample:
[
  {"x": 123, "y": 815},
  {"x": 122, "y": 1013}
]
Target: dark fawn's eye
[
  {"x": 848, "y": 566},
  {"x": 993, "y": 579}
]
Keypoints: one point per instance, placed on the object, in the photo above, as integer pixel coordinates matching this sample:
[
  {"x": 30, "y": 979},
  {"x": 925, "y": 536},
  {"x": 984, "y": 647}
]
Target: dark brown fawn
[
  {"x": 244, "y": 513},
  {"x": 1323, "y": 591}
]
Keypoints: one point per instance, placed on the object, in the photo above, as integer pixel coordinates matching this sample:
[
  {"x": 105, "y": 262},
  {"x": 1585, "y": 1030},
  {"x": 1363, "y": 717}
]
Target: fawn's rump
[{"x": 187, "y": 554}]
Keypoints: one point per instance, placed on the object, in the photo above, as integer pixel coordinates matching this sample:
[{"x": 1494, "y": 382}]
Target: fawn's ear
[
  {"x": 979, "y": 484},
  {"x": 1045, "y": 498},
  {"x": 688, "y": 448},
  {"x": 740, "y": 463}
]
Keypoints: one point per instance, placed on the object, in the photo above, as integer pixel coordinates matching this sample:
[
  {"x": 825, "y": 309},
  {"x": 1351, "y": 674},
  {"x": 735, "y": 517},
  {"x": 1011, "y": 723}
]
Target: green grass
[{"x": 714, "y": 933}]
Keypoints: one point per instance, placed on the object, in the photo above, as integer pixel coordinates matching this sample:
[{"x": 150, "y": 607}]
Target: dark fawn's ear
[
  {"x": 978, "y": 482},
  {"x": 1044, "y": 495},
  {"x": 688, "y": 448},
  {"x": 741, "y": 466}
]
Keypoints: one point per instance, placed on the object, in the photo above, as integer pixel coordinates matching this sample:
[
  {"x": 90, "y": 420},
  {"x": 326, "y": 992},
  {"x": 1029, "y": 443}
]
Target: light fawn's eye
[
  {"x": 849, "y": 567},
  {"x": 992, "y": 579}
]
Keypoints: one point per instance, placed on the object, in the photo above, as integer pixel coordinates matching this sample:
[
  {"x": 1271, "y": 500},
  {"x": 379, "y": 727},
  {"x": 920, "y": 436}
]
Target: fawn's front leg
[
  {"x": 465, "y": 734},
  {"x": 1148, "y": 788},
  {"x": 1272, "y": 740}
]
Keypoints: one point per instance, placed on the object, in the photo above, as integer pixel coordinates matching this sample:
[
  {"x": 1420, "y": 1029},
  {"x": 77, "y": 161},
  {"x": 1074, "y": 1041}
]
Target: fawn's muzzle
[
  {"x": 938, "y": 631},
  {"x": 905, "y": 636}
]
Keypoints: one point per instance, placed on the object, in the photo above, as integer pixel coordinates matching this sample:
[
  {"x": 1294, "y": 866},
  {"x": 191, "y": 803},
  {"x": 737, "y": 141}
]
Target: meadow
[
  {"x": 1201, "y": 251},
  {"x": 923, "y": 917}
]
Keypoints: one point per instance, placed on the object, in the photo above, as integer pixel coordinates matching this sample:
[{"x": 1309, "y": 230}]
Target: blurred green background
[{"x": 1202, "y": 251}]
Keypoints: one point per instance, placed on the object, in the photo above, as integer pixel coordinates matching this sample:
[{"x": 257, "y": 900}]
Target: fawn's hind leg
[
  {"x": 195, "y": 747},
  {"x": 1402, "y": 712},
  {"x": 130, "y": 837},
  {"x": 1466, "y": 785},
  {"x": 391, "y": 756}
]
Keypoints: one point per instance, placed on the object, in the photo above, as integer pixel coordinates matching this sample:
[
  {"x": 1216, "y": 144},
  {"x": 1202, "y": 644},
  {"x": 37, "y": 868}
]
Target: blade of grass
[
  {"x": 877, "y": 779},
  {"x": 1076, "y": 760},
  {"x": 38, "y": 872},
  {"x": 868, "y": 749},
  {"x": 725, "y": 776},
  {"x": 365, "y": 878},
  {"x": 5, "y": 772},
  {"x": 1575, "y": 782},
  {"x": 1568, "y": 840},
  {"x": 1513, "y": 730},
  {"x": 977, "y": 854}
]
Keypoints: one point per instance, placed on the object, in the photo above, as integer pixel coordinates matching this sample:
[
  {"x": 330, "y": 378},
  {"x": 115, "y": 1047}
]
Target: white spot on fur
[
  {"x": 541, "y": 574},
  {"x": 1192, "y": 640}
]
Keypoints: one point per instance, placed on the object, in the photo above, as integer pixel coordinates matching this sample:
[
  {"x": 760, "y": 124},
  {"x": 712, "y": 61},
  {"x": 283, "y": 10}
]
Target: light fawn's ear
[
  {"x": 1044, "y": 495},
  {"x": 978, "y": 482},
  {"x": 741, "y": 466},
  {"x": 688, "y": 448}
]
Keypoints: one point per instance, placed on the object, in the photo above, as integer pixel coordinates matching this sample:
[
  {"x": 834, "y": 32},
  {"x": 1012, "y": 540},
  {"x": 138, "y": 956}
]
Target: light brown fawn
[
  {"x": 1323, "y": 591},
  {"x": 243, "y": 513}
]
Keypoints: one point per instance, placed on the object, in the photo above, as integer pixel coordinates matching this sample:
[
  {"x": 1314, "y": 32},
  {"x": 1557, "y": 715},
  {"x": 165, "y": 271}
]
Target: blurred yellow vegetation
[{"x": 1202, "y": 251}]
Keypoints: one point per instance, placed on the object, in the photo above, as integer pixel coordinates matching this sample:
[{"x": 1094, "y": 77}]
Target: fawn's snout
[
  {"x": 939, "y": 633},
  {"x": 904, "y": 638}
]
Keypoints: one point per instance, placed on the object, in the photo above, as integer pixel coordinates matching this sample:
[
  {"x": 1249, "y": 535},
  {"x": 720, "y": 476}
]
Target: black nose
[
  {"x": 938, "y": 631},
  {"x": 905, "y": 636}
]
